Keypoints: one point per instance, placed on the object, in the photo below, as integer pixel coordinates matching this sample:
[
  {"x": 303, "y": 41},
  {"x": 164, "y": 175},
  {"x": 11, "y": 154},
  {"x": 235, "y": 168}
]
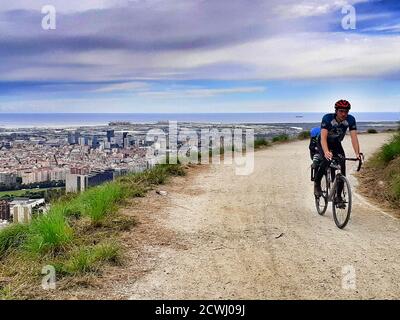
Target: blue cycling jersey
[{"x": 337, "y": 130}]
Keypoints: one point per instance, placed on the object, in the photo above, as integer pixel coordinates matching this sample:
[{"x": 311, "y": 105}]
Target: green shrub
[
  {"x": 390, "y": 150},
  {"x": 372, "y": 131},
  {"x": 12, "y": 236},
  {"x": 304, "y": 135},
  {"x": 89, "y": 259},
  {"x": 136, "y": 191},
  {"x": 261, "y": 142},
  {"x": 280, "y": 138},
  {"x": 99, "y": 201},
  {"x": 48, "y": 233},
  {"x": 66, "y": 208},
  {"x": 109, "y": 252},
  {"x": 174, "y": 170}
]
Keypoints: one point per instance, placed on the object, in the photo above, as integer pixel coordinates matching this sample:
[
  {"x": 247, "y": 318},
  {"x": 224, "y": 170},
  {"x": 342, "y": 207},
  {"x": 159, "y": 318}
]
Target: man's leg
[
  {"x": 319, "y": 172},
  {"x": 340, "y": 151}
]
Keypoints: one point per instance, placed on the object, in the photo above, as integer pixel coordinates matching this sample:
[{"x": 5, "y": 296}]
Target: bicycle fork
[{"x": 333, "y": 189}]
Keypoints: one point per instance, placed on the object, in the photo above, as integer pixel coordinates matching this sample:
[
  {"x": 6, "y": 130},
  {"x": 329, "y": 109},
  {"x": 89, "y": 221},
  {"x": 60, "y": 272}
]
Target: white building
[
  {"x": 21, "y": 210},
  {"x": 76, "y": 182}
]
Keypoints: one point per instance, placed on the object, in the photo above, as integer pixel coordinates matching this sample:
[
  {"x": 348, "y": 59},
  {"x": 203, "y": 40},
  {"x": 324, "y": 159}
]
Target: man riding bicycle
[{"x": 333, "y": 130}]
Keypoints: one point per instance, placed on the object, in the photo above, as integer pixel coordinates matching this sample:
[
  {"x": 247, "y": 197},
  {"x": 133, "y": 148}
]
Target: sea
[{"x": 66, "y": 120}]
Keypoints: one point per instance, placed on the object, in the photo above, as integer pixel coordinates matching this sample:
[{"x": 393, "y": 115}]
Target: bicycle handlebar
[{"x": 360, "y": 160}]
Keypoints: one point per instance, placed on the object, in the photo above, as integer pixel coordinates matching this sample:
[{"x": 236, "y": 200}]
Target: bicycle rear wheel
[
  {"x": 321, "y": 203},
  {"x": 341, "y": 210}
]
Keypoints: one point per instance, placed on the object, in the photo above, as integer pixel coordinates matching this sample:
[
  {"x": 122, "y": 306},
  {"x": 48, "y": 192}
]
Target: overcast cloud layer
[{"x": 141, "y": 51}]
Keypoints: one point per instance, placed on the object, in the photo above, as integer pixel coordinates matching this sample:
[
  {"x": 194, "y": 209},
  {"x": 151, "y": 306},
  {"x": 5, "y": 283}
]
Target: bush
[
  {"x": 261, "y": 142},
  {"x": 174, "y": 169},
  {"x": 49, "y": 233},
  {"x": 67, "y": 209},
  {"x": 390, "y": 150},
  {"x": 280, "y": 138},
  {"x": 156, "y": 176},
  {"x": 372, "y": 131},
  {"x": 97, "y": 202},
  {"x": 89, "y": 259},
  {"x": 12, "y": 236},
  {"x": 304, "y": 135}
]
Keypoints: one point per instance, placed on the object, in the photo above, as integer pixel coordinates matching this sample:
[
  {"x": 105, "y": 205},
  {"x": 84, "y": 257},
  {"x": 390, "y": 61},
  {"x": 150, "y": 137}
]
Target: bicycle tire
[
  {"x": 321, "y": 207},
  {"x": 341, "y": 223}
]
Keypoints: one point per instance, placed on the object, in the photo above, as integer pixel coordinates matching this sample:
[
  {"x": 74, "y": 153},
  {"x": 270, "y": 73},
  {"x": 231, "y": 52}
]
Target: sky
[{"x": 199, "y": 56}]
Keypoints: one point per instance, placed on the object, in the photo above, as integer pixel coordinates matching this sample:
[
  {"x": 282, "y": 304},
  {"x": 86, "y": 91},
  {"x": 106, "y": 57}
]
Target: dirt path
[{"x": 259, "y": 237}]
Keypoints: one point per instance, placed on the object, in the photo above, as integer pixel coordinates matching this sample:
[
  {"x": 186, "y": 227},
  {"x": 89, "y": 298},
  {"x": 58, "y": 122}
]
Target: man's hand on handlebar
[
  {"x": 360, "y": 157},
  {"x": 328, "y": 155}
]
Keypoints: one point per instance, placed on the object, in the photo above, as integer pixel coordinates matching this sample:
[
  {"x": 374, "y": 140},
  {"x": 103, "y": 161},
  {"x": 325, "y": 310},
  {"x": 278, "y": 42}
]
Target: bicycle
[{"x": 341, "y": 208}]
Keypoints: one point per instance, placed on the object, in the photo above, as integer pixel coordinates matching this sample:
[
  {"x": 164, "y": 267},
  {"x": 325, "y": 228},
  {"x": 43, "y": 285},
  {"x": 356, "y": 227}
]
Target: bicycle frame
[
  {"x": 332, "y": 190},
  {"x": 336, "y": 167}
]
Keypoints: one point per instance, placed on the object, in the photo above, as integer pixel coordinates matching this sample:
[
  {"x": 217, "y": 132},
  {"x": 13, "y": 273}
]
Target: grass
[
  {"x": 280, "y": 138},
  {"x": 381, "y": 176},
  {"x": 99, "y": 201},
  {"x": 6, "y": 293},
  {"x": 77, "y": 235},
  {"x": 19, "y": 193},
  {"x": 261, "y": 142},
  {"x": 303, "y": 135},
  {"x": 372, "y": 131},
  {"x": 395, "y": 187},
  {"x": 390, "y": 150},
  {"x": 49, "y": 233},
  {"x": 89, "y": 259},
  {"x": 12, "y": 237}
]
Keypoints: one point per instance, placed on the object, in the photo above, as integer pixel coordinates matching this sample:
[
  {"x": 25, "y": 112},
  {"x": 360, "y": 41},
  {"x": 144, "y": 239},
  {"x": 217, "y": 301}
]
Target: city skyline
[{"x": 199, "y": 56}]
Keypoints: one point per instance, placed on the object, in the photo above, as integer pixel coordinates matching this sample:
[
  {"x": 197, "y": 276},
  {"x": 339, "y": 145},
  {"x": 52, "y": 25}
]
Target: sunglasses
[{"x": 343, "y": 110}]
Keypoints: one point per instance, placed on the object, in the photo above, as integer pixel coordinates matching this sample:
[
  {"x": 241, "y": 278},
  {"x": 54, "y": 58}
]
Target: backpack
[{"x": 314, "y": 135}]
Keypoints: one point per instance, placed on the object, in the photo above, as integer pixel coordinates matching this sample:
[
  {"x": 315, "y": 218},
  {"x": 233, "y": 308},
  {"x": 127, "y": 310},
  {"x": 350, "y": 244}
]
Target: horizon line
[{"x": 294, "y": 112}]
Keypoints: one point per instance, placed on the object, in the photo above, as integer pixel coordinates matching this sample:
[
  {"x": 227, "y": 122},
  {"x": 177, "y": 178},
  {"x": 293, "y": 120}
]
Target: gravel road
[{"x": 259, "y": 237}]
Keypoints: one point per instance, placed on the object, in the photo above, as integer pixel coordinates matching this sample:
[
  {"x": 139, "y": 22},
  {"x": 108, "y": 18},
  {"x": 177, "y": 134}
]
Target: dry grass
[
  {"x": 381, "y": 183},
  {"x": 78, "y": 237}
]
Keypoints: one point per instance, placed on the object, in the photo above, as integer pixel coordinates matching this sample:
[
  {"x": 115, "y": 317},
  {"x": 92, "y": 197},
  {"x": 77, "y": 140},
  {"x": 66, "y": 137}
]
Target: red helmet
[{"x": 342, "y": 104}]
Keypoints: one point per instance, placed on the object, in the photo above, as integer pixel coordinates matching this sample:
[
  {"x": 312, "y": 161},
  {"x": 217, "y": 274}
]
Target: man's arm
[
  {"x": 354, "y": 142},
  {"x": 324, "y": 144}
]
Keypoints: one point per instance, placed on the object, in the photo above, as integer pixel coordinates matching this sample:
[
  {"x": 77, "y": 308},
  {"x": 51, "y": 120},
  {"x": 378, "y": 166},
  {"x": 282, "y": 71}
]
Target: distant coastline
[{"x": 73, "y": 120}]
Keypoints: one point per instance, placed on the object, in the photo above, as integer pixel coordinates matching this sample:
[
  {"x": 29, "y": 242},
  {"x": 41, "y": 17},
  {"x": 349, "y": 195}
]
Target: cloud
[
  {"x": 200, "y": 92},
  {"x": 70, "y": 6},
  {"x": 395, "y": 28},
  {"x": 300, "y": 56},
  {"x": 142, "y": 40},
  {"x": 312, "y": 8},
  {"x": 124, "y": 87},
  {"x": 123, "y": 47}
]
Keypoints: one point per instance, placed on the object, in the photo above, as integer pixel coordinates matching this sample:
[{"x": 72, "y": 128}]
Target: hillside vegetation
[
  {"x": 381, "y": 177},
  {"x": 78, "y": 235}
]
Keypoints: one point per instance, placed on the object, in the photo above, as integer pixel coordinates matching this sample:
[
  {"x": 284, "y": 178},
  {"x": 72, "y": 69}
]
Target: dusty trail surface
[{"x": 219, "y": 235}]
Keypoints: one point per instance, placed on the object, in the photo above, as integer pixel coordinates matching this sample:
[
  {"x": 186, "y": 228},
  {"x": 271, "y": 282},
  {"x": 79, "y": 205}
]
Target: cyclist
[{"x": 333, "y": 130}]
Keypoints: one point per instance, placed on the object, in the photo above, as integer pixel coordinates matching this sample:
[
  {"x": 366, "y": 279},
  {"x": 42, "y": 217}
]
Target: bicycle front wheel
[{"x": 341, "y": 206}]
